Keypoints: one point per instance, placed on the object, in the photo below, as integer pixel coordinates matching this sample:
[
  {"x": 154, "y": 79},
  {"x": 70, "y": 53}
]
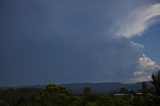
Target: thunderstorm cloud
[{"x": 69, "y": 41}]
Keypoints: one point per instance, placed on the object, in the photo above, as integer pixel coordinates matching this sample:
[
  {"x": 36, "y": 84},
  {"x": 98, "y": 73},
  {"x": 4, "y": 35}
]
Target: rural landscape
[
  {"x": 79, "y": 53},
  {"x": 55, "y": 95}
]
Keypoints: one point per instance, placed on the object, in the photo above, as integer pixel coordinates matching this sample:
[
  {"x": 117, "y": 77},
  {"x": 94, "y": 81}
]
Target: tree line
[{"x": 54, "y": 95}]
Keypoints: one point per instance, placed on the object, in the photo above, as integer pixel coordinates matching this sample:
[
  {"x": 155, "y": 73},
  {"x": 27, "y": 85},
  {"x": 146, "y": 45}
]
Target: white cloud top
[
  {"x": 138, "y": 21},
  {"x": 145, "y": 69}
]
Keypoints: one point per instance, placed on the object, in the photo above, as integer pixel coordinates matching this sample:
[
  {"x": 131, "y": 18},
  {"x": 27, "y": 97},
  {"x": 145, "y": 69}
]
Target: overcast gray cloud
[{"x": 68, "y": 41}]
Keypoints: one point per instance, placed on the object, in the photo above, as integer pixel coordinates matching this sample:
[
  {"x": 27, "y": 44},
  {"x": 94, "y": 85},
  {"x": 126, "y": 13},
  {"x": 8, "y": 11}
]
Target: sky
[{"x": 73, "y": 41}]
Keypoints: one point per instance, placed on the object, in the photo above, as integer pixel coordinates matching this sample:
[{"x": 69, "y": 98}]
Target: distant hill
[{"x": 101, "y": 87}]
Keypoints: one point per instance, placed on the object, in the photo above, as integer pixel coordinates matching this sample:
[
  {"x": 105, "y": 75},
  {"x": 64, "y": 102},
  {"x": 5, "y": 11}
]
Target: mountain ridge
[{"x": 97, "y": 87}]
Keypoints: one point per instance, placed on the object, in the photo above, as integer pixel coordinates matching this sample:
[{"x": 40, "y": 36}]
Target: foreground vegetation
[{"x": 54, "y": 95}]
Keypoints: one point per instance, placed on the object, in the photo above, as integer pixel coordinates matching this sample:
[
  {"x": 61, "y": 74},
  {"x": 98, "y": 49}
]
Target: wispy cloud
[{"x": 138, "y": 21}]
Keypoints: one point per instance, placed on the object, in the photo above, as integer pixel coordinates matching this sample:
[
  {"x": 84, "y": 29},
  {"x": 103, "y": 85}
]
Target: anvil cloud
[{"x": 45, "y": 41}]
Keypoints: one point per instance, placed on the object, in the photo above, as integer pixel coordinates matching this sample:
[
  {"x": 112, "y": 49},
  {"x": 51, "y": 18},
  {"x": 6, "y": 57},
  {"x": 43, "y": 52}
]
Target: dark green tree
[
  {"x": 105, "y": 101},
  {"x": 89, "y": 97},
  {"x": 54, "y": 95},
  {"x": 87, "y": 91},
  {"x": 145, "y": 89},
  {"x": 3, "y": 103},
  {"x": 156, "y": 83},
  {"x": 123, "y": 90}
]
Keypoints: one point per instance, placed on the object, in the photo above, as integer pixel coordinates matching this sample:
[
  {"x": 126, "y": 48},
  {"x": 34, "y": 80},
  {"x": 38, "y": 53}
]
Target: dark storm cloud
[{"x": 64, "y": 41}]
